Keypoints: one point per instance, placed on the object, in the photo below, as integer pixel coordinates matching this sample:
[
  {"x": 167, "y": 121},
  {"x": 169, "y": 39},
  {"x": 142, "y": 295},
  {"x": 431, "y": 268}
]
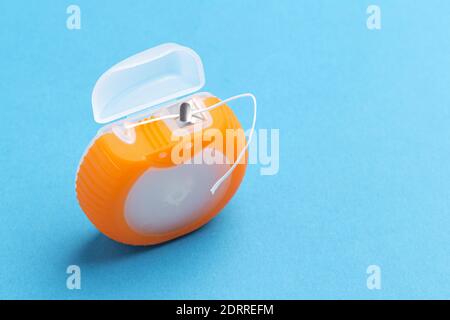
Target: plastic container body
[{"x": 134, "y": 193}]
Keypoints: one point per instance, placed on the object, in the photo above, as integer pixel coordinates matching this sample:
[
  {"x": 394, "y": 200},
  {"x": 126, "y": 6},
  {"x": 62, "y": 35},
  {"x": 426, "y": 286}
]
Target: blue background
[{"x": 364, "y": 149}]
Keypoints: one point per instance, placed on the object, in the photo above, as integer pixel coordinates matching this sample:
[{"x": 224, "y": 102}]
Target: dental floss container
[{"x": 127, "y": 183}]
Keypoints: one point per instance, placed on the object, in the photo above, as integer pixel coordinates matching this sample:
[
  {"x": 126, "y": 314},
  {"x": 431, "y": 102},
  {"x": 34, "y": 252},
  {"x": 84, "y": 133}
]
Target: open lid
[{"x": 147, "y": 79}]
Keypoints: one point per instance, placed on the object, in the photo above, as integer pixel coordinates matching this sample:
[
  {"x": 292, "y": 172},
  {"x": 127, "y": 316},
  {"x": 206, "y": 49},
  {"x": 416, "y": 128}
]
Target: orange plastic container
[{"x": 129, "y": 183}]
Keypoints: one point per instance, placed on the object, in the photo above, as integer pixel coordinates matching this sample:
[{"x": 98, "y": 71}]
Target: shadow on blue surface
[{"x": 99, "y": 249}]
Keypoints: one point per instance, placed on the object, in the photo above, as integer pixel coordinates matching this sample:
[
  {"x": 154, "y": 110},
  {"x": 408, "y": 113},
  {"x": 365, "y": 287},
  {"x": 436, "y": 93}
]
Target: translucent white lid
[{"x": 147, "y": 79}]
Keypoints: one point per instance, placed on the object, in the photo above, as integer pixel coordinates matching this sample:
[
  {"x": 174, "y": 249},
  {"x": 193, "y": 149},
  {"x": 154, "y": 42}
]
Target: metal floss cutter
[{"x": 127, "y": 182}]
